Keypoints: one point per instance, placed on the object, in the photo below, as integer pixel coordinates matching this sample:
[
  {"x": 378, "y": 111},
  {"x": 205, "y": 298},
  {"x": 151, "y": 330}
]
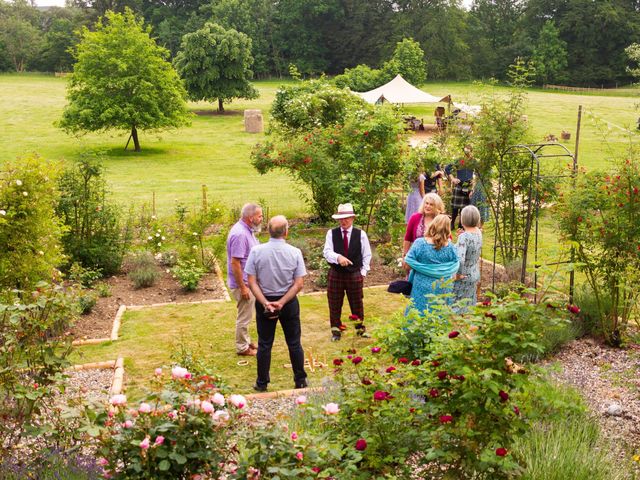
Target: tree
[
  {"x": 122, "y": 81},
  {"x": 216, "y": 64},
  {"x": 408, "y": 61},
  {"x": 550, "y": 55},
  {"x": 21, "y": 41},
  {"x": 633, "y": 52}
]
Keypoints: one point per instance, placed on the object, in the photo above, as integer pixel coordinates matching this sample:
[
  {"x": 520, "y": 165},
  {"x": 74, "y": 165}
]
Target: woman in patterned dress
[
  {"x": 469, "y": 246},
  {"x": 433, "y": 261}
]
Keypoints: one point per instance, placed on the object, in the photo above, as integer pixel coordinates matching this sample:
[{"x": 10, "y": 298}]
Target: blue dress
[{"x": 423, "y": 285}]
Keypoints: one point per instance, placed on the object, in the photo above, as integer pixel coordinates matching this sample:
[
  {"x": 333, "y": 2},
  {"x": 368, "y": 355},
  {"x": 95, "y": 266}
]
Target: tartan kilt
[
  {"x": 339, "y": 284},
  {"x": 460, "y": 199}
]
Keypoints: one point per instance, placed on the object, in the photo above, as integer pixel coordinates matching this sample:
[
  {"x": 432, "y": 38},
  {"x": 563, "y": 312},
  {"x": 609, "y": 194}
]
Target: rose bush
[{"x": 177, "y": 432}]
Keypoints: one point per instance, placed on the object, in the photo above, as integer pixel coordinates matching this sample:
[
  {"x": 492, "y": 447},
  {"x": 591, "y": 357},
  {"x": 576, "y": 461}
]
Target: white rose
[
  {"x": 26, "y": 194},
  {"x": 3, "y": 212},
  {"x": 19, "y": 182}
]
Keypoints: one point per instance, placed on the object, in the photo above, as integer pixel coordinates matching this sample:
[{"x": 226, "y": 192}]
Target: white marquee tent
[{"x": 399, "y": 90}]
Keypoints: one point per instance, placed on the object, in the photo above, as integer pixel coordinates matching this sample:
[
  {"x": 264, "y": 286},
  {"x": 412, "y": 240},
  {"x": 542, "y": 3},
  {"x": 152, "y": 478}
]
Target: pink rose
[
  {"x": 294, "y": 436},
  {"x": 207, "y": 407},
  {"x": 375, "y": 349},
  {"x": 179, "y": 372},
  {"x": 103, "y": 462},
  {"x": 159, "y": 440},
  {"x": 144, "y": 408},
  {"x": 301, "y": 400},
  {"x": 127, "y": 424},
  {"x": 158, "y": 372},
  {"x": 173, "y": 414},
  {"x": 220, "y": 416},
  {"x": 331, "y": 408},
  {"x": 238, "y": 401},
  {"x": 144, "y": 444},
  {"x": 299, "y": 456},
  {"x": 218, "y": 399},
  {"x": 118, "y": 400}
]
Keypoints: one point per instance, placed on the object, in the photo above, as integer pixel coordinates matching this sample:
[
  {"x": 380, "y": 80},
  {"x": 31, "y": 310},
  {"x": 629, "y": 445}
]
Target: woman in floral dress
[{"x": 469, "y": 247}]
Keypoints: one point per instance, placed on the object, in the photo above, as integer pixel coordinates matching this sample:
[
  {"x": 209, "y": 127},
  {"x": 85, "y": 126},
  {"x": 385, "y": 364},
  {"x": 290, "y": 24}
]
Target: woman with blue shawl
[{"x": 433, "y": 260}]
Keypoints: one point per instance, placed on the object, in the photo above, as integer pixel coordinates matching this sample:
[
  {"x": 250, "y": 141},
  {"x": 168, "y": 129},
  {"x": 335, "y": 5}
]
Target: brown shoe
[
  {"x": 253, "y": 345},
  {"x": 249, "y": 352}
]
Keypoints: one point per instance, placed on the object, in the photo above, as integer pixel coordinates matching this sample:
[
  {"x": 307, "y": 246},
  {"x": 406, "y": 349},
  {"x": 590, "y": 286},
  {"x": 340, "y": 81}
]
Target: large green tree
[
  {"x": 550, "y": 55},
  {"x": 216, "y": 65},
  {"x": 408, "y": 61},
  {"x": 122, "y": 81},
  {"x": 21, "y": 41}
]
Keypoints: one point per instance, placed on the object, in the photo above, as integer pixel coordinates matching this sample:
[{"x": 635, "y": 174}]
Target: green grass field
[
  {"x": 214, "y": 150},
  {"x": 148, "y": 337}
]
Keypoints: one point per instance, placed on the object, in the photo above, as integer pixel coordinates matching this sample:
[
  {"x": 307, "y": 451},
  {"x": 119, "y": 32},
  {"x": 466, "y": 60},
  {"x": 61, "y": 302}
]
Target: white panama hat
[{"x": 345, "y": 210}]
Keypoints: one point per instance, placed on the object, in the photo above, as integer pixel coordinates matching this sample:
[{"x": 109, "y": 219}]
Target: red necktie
[{"x": 345, "y": 242}]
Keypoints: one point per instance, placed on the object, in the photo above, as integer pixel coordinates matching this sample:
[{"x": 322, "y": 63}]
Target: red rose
[
  {"x": 446, "y": 418},
  {"x": 366, "y": 381},
  {"x": 375, "y": 349},
  {"x": 315, "y": 469},
  {"x": 338, "y": 361},
  {"x": 390, "y": 369},
  {"x": 454, "y": 334},
  {"x": 416, "y": 362},
  {"x": 433, "y": 393},
  {"x": 412, "y": 410},
  {"x": 486, "y": 303},
  {"x": 516, "y": 410},
  {"x": 504, "y": 396},
  {"x": 459, "y": 377},
  {"x": 356, "y": 360},
  {"x": 442, "y": 374},
  {"x": 366, "y": 133},
  {"x": 361, "y": 444},
  {"x": 380, "y": 395},
  {"x": 501, "y": 452},
  {"x": 403, "y": 360},
  {"x": 435, "y": 363},
  {"x": 573, "y": 309},
  {"x": 490, "y": 315}
]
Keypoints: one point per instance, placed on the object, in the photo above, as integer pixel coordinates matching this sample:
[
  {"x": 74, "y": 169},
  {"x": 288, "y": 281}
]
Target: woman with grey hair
[{"x": 469, "y": 246}]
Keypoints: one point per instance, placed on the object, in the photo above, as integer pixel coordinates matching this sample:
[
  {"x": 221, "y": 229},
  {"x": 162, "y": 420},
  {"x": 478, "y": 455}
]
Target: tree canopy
[
  {"x": 216, "y": 65},
  {"x": 122, "y": 80}
]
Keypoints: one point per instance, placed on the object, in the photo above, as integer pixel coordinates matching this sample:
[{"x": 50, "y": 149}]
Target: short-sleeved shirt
[
  {"x": 240, "y": 241},
  {"x": 276, "y": 265}
]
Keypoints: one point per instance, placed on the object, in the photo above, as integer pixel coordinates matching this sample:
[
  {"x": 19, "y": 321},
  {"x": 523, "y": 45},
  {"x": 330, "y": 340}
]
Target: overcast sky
[{"x": 60, "y": 3}]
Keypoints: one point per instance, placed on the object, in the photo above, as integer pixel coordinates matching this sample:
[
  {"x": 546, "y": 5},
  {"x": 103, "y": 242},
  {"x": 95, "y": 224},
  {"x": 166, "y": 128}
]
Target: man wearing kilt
[
  {"x": 461, "y": 176},
  {"x": 348, "y": 252}
]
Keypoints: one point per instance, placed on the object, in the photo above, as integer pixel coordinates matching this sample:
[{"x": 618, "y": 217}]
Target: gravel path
[{"x": 609, "y": 381}]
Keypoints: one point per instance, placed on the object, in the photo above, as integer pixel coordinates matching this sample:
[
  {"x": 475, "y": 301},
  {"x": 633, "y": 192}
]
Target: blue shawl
[{"x": 434, "y": 270}]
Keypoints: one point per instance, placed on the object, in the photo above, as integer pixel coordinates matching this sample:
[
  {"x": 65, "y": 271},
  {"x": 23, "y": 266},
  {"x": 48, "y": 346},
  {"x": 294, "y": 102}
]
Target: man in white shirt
[{"x": 348, "y": 252}]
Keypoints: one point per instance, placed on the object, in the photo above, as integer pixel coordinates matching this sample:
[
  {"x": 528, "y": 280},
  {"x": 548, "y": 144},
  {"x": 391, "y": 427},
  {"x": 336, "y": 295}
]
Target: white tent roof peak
[{"x": 399, "y": 90}]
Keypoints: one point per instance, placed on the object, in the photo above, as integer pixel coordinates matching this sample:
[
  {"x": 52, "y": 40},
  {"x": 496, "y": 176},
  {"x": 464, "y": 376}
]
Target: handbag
[{"x": 400, "y": 286}]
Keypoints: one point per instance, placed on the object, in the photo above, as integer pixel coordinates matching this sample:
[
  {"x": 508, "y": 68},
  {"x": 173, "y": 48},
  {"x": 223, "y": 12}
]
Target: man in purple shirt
[{"x": 240, "y": 241}]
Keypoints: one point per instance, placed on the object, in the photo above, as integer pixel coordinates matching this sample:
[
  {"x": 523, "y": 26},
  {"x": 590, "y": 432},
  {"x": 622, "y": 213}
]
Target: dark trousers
[
  {"x": 290, "y": 321},
  {"x": 339, "y": 283},
  {"x": 455, "y": 211}
]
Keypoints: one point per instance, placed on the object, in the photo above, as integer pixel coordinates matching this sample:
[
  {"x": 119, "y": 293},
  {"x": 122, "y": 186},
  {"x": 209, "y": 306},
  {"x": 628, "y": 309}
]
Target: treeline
[{"x": 577, "y": 42}]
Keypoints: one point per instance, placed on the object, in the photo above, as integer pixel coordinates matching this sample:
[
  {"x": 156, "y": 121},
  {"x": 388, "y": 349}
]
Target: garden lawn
[
  {"x": 148, "y": 338},
  {"x": 215, "y": 150}
]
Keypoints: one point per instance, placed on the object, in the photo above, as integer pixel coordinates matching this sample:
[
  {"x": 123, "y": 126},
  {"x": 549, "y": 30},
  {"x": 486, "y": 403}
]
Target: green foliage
[
  {"x": 21, "y": 41},
  {"x": 86, "y": 301},
  {"x": 103, "y": 289},
  {"x": 143, "y": 271},
  {"x": 59, "y": 41},
  {"x": 408, "y": 61},
  {"x": 85, "y": 277},
  {"x": 311, "y": 104},
  {"x": 388, "y": 213},
  {"x": 550, "y": 55},
  {"x": 33, "y": 352},
  {"x": 96, "y": 236},
  {"x": 30, "y": 231},
  {"x": 360, "y": 78},
  {"x": 184, "y": 429},
  {"x": 633, "y": 52},
  {"x": 340, "y": 148},
  {"x": 122, "y": 81},
  {"x": 188, "y": 274},
  {"x": 567, "y": 448},
  {"x": 600, "y": 219},
  {"x": 216, "y": 64}
]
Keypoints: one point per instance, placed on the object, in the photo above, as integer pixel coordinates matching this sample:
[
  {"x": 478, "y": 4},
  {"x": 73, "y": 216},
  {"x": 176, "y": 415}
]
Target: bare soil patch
[
  {"x": 98, "y": 323},
  {"x": 609, "y": 381}
]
